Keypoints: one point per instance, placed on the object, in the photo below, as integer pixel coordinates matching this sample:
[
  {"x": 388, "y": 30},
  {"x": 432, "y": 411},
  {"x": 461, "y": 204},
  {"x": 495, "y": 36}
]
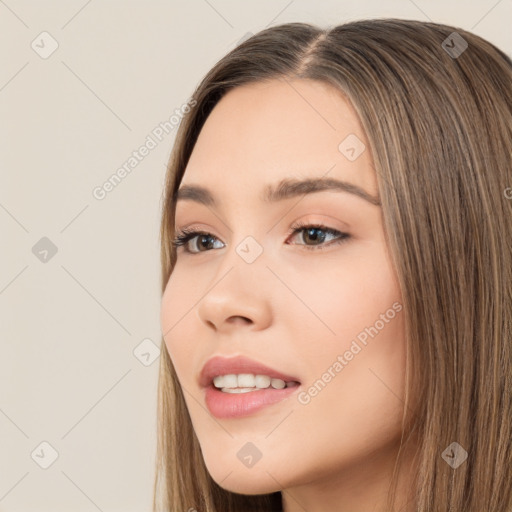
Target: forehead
[{"x": 262, "y": 132}]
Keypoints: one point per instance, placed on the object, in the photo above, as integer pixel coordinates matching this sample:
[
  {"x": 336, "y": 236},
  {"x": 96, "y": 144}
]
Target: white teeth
[
  {"x": 230, "y": 381},
  {"x": 262, "y": 381},
  {"x": 245, "y": 382},
  {"x": 278, "y": 383},
  {"x": 218, "y": 381},
  {"x": 238, "y": 390}
]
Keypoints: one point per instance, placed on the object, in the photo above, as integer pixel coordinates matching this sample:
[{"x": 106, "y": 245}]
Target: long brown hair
[{"x": 438, "y": 118}]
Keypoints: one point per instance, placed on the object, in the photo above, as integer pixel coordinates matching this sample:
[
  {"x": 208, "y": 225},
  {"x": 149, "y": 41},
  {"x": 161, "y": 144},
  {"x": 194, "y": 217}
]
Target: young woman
[{"x": 337, "y": 276}]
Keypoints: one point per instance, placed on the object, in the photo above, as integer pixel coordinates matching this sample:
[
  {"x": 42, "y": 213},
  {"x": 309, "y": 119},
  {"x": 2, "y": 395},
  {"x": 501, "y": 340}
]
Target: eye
[
  {"x": 184, "y": 236},
  {"x": 316, "y": 233}
]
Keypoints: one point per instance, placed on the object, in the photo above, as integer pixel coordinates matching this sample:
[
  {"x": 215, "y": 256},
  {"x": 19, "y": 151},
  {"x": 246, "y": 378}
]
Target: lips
[{"x": 219, "y": 365}]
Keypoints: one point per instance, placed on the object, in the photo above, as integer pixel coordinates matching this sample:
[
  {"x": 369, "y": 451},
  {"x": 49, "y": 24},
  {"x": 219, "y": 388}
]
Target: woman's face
[{"x": 313, "y": 304}]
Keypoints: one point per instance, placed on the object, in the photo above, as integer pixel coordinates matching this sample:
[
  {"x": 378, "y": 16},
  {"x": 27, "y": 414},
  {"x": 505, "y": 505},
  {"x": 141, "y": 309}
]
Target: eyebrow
[{"x": 285, "y": 189}]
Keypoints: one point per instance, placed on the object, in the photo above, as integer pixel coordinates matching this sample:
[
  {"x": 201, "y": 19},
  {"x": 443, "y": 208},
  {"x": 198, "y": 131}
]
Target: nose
[{"x": 239, "y": 297}]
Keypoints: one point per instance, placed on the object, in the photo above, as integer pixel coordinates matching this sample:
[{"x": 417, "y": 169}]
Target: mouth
[
  {"x": 238, "y": 387},
  {"x": 247, "y": 382},
  {"x": 234, "y": 403},
  {"x": 241, "y": 372}
]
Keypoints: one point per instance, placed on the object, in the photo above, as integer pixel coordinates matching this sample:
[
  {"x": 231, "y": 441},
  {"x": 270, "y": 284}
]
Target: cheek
[
  {"x": 355, "y": 391},
  {"x": 345, "y": 293},
  {"x": 176, "y": 319},
  {"x": 357, "y": 357},
  {"x": 182, "y": 291}
]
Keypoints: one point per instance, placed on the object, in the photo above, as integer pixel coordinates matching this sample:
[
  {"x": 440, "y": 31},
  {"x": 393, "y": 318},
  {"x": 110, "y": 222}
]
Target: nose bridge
[
  {"x": 240, "y": 286},
  {"x": 247, "y": 239},
  {"x": 245, "y": 260}
]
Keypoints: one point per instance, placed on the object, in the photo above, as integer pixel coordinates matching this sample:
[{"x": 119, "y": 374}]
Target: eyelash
[{"x": 185, "y": 235}]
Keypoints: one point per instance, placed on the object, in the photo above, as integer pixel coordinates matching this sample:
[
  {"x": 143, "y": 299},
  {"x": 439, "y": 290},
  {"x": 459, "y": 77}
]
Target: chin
[
  {"x": 250, "y": 486},
  {"x": 241, "y": 480}
]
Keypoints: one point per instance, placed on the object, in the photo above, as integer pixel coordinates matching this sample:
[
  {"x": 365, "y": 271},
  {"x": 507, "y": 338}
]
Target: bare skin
[{"x": 297, "y": 307}]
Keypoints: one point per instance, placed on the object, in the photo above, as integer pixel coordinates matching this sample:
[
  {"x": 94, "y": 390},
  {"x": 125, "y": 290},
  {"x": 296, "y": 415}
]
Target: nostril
[{"x": 239, "y": 320}]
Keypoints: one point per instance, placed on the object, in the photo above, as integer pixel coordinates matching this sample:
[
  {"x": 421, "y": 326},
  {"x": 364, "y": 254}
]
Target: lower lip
[{"x": 237, "y": 405}]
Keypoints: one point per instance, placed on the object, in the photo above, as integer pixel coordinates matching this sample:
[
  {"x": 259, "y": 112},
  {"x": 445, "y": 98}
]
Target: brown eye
[
  {"x": 202, "y": 240},
  {"x": 314, "y": 237},
  {"x": 316, "y": 234}
]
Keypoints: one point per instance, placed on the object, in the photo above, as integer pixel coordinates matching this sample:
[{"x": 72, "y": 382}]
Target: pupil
[
  {"x": 202, "y": 239},
  {"x": 315, "y": 238}
]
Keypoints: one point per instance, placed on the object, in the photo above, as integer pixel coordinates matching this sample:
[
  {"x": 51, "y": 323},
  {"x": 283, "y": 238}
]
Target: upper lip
[{"x": 219, "y": 365}]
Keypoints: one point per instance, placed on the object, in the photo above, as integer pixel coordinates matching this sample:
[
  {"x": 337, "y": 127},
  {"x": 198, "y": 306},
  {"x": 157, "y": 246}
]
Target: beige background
[{"x": 80, "y": 333}]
